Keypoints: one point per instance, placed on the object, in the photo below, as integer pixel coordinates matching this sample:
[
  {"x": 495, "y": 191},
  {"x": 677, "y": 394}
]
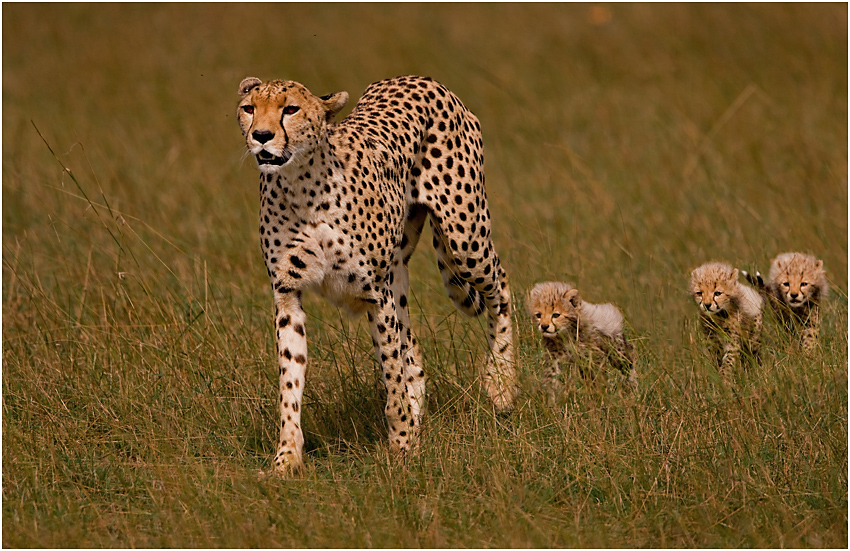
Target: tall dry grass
[{"x": 625, "y": 144}]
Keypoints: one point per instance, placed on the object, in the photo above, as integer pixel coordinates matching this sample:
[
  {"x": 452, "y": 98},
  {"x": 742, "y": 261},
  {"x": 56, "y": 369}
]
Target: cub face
[
  {"x": 554, "y": 306},
  {"x": 282, "y": 120},
  {"x": 798, "y": 279},
  {"x": 713, "y": 287}
]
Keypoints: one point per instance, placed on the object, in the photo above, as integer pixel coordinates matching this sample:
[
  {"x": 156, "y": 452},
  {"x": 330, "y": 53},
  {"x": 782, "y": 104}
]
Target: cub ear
[
  {"x": 333, "y": 104},
  {"x": 573, "y": 298},
  {"x": 531, "y": 296},
  {"x": 819, "y": 265},
  {"x": 734, "y": 276},
  {"x": 248, "y": 84}
]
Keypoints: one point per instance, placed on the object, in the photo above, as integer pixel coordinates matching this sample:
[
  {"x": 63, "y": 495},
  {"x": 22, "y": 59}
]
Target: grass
[{"x": 625, "y": 145}]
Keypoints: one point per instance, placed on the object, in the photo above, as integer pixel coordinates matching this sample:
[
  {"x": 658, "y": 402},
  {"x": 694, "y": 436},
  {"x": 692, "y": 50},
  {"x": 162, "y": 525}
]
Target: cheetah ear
[
  {"x": 333, "y": 104},
  {"x": 248, "y": 84},
  {"x": 819, "y": 265},
  {"x": 573, "y": 298},
  {"x": 734, "y": 276},
  {"x": 531, "y": 297}
]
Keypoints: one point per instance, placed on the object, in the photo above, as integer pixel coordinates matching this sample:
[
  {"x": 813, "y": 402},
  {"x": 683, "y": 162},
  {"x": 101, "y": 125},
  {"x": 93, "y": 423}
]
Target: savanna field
[{"x": 624, "y": 145}]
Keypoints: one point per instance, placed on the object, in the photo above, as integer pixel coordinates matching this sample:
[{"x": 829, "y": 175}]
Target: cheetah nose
[
  {"x": 794, "y": 295},
  {"x": 707, "y": 306},
  {"x": 544, "y": 328},
  {"x": 262, "y": 136}
]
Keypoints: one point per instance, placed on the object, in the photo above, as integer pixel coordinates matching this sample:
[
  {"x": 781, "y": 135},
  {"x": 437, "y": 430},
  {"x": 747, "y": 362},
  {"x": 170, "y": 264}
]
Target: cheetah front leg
[
  {"x": 552, "y": 381},
  {"x": 391, "y": 351},
  {"x": 731, "y": 351},
  {"x": 811, "y": 330},
  {"x": 292, "y": 360},
  {"x": 414, "y": 375},
  {"x": 557, "y": 354}
]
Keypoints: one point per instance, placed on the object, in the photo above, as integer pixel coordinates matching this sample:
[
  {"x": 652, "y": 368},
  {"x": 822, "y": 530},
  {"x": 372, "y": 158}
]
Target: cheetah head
[
  {"x": 799, "y": 279},
  {"x": 555, "y": 307},
  {"x": 713, "y": 287},
  {"x": 281, "y": 120}
]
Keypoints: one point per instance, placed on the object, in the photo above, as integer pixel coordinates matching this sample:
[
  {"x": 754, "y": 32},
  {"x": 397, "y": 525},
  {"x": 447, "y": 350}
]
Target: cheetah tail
[{"x": 755, "y": 280}]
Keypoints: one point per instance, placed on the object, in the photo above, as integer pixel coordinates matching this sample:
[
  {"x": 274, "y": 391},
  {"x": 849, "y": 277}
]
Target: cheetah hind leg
[
  {"x": 476, "y": 285},
  {"x": 623, "y": 357},
  {"x": 464, "y": 296},
  {"x": 500, "y": 379}
]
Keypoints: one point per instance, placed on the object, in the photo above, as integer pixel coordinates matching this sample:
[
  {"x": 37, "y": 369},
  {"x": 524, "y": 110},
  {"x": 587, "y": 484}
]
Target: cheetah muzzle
[
  {"x": 342, "y": 207},
  {"x": 266, "y": 158}
]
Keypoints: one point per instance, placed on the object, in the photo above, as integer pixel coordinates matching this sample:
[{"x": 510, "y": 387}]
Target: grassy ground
[{"x": 625, "y": 145}]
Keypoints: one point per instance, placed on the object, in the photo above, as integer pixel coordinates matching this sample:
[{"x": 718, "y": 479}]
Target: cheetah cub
[
  {"x": 795, "y": 287},
  {"x": 731, "y": 313},
  {"x": 574, "y": 330}
]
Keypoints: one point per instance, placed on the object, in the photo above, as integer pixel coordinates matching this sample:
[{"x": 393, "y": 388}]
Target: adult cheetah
[{"x": 342, "y": 209}]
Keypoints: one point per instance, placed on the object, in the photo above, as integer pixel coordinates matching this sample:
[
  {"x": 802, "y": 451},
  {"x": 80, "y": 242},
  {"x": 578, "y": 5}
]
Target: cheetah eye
[
  {"x": 717, "y": 293},
  {"x": 556, "y": 315},
  {"x": 803, "y": 284},
  {"x": 537, "y": 315},
  {"x": 786, "y": 284},
  {"x": 290, "y": 109},
  {"x": 248, "y": 109},
  {"x": 698, "y": 293}
]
